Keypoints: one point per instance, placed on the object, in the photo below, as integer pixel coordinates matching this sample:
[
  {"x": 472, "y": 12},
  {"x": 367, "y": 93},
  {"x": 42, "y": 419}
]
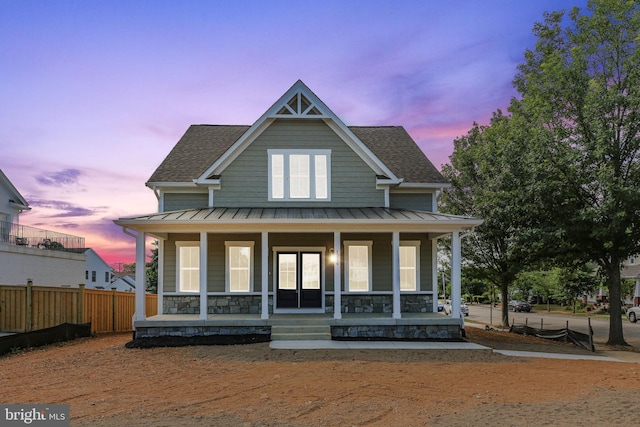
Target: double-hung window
[
  {"x": 409, "y": 266},
  {"x": 239, "y": 266},
  {"x": 299, "y": 175},
  {"x": 188, "y": 266},
  {"x": 358, "y": 265}
]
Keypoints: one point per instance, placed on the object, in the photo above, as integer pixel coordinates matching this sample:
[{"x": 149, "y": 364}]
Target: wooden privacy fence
[{"x": 29, "y": 308}]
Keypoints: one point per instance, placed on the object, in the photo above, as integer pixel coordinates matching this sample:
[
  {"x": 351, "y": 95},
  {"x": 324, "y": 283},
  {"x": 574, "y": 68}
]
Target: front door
[{"x": 299, "y": 280}]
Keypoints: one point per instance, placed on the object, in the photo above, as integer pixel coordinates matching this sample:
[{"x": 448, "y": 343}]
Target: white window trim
[
  {"x": 369, "y": 244},
  {"x": 416, "y": 244},
  {"x": 180, "y": 244},
  {"x": 312, "y": 174},
  {"x": 227, "y": 278}
]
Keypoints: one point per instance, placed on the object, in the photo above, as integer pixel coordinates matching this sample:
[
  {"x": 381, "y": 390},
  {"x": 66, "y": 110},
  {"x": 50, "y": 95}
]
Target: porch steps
[{"x": 300, "y": 332}]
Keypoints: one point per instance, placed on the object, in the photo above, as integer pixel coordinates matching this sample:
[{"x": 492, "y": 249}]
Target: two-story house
[
  {"x": 298, "y": 214},
  {"x": 98, "y": 274},
  {"x": 46, "y": 257}
]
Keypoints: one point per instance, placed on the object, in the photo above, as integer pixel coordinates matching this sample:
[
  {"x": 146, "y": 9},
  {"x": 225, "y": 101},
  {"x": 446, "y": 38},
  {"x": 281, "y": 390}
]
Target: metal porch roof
[{"x": 299, "y": 216}]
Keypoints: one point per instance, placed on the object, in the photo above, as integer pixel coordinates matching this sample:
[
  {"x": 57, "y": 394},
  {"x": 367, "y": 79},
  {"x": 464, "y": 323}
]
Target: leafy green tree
[
  {"x": 571, "y": 283},
  {"x": 152, "y": 270},
  {"x": 129, "y": 269},
  {"x": 487, "y": 179},
  {"x": 580, "y": 89}
]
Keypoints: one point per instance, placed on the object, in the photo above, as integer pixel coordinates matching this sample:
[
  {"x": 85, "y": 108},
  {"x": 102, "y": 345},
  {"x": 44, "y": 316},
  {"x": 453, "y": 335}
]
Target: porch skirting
[{"x": 430, "y": 326}]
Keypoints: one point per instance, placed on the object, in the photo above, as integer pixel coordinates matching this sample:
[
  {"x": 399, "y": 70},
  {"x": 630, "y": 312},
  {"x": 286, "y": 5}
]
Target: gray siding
[
  {"x": 382, "y": 263},
  {"x": 244, "y": 182},
  {"x": 169, "y": 269},
  {"x": 178, "y": 201},
  {"x": 381, "y": 257},
  {"x": 412, "y": 201}
]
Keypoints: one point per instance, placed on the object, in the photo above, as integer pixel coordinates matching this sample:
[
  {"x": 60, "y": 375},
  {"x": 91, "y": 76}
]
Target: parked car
[
  {"x": 464, "y": 308},
  {"x": 633, "y": 314},
  {"x": 517, "y": 306}
]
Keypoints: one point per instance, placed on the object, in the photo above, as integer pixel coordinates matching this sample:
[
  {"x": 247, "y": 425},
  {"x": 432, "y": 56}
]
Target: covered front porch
[{"x": 281, "y": 240}]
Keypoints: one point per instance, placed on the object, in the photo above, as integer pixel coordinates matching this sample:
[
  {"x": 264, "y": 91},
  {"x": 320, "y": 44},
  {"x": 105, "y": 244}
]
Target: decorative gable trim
[{"x": 299, "y": 102}]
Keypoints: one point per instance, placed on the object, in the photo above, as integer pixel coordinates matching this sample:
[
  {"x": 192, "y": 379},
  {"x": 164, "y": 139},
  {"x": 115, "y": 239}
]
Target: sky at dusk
[{"x": 94, "y": 94}]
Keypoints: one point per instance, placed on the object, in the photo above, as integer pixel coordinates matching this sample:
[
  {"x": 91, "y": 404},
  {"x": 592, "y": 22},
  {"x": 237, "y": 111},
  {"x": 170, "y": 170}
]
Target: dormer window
[{"x": 299, "y": 175}]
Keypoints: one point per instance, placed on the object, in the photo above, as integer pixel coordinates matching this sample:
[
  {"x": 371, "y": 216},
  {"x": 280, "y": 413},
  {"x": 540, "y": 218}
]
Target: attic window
[{"x": 299, "y": 175}]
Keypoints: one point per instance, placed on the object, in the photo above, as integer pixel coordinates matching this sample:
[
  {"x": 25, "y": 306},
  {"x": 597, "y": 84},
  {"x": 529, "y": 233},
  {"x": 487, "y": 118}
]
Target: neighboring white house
[
  {"x": 631, "y": 270},
  {"x": 98, "y": 274},
  {"x": 46, "y": 257},
  {"x": 123, "y": 284}
]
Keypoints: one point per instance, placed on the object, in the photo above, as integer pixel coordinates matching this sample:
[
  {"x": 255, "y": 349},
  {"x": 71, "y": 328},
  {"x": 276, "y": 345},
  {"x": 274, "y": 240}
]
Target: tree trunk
[
  {"x": 616, "y": 336},
  {"x": 504, "y": 291}
]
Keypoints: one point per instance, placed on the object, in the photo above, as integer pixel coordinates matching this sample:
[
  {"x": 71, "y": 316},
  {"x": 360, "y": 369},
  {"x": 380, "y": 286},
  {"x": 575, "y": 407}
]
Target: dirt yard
[{"x": 106, "y": 384}]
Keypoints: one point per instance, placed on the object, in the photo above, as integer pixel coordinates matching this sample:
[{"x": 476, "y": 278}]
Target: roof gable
[
  {"x": 299, "y": 102},
  {"x": 16, "y": 199},
  {"x": 204, "y": 151}
]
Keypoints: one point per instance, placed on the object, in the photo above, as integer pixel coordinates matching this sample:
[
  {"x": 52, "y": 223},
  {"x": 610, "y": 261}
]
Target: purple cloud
[
  {"x": 67, "y": 209},
  {"x": 58, "y": 179}
]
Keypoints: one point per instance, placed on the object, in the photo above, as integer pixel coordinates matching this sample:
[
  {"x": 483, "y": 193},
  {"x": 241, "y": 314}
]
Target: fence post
[
  {"x": 115, "y": 310},
  {"x": 81, "y": 303},
  {"x": 29, "y": 298},
  {"x": 566, "y": 335}
]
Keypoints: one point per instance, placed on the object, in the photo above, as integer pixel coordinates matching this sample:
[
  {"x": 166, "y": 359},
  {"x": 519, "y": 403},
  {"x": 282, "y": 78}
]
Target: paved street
[{"x": 486, "y": 314}]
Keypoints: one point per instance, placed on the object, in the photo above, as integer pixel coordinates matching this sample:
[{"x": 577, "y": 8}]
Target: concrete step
[{"x": 301, "y": 332}]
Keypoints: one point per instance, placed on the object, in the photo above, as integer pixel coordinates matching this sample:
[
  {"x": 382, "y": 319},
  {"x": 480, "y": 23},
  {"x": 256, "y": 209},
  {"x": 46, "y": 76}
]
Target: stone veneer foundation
[
  {"x": 383, "y": 303},
  {"x": 237, "y": 304}
]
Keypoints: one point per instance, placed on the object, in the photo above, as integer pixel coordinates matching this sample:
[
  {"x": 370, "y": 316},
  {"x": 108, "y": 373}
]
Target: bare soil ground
[{"x": 106, "y": 384}]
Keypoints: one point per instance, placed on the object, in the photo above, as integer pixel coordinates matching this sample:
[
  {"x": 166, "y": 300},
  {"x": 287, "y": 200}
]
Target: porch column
[
  {"x": 395, "y": 267},
  {"x": 265, "y": 275},
  {"x": 160, "y": 276},
  {"x": 434, "y": 270},
  {"x": 456, "y": 292},
  {"x": 337, "y": 277},
  {"x": 141, "y": 279},
  {"x": 203, "y": 275}
]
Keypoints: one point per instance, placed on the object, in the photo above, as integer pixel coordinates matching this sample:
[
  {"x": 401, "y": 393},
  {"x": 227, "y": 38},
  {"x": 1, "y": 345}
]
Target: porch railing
[{"x": 22, "y": 235}]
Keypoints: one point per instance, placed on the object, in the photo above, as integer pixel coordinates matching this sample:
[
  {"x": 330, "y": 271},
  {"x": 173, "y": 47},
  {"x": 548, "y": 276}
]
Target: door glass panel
[
  {"x": 310, "y": 271},
  {"x": 287, "y": 271}
]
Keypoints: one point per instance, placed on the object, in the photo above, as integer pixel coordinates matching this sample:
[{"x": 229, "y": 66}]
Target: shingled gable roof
[
  {"x": 202, "y": 145},
  {"x": 203, "y": 150},
  {"x": 197, "y": 150},
  {"x": 394, "y": 146}
]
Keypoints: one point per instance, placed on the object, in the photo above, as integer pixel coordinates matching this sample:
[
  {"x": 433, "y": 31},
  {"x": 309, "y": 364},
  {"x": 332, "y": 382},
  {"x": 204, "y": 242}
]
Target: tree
[
  {"x": 129, "y": 269},
  {"x": 580, "y": 88},
  {"x": 487, "y": 179},
  {"x": 152, "y": 270}
]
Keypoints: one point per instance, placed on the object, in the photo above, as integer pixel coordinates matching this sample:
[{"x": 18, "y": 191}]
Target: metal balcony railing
[{"x": 22, "y": 235}]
